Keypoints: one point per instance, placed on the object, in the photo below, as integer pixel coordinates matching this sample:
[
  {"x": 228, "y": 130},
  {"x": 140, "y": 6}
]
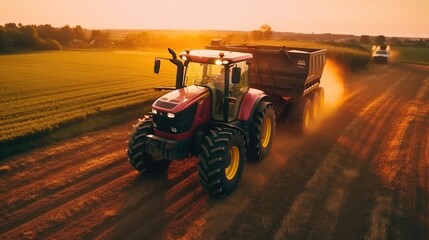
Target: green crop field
[
  {"x": 413, "y": 55},
  {"x": 39, "y": 91},
  {"x": 350, "y": 56}
]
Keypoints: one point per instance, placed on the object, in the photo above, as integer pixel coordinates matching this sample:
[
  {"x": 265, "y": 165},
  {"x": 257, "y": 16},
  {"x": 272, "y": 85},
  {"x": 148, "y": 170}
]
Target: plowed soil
[{"x": 363, "y": 173}]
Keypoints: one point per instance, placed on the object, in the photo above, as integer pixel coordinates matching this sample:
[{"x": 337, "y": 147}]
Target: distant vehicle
[{"x": 380, "y": 56}]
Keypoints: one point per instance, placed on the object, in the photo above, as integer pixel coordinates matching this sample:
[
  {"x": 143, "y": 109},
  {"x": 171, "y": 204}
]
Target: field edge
[{"x": 73, "y": 128}]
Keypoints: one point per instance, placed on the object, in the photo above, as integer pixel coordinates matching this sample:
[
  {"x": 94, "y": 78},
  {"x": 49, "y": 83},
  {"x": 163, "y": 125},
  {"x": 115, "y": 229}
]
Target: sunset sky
[{"x": 407, "y": 18}]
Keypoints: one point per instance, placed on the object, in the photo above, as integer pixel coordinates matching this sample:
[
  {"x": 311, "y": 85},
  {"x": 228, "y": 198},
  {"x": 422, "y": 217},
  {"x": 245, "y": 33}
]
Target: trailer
[{"x": 290, "y": 77}]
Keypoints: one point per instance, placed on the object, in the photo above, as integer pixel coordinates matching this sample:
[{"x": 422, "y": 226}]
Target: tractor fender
[{"x": 250, "y": 103}]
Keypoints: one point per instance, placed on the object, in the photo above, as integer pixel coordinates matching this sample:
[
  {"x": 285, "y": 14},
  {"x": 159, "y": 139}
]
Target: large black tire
[
  {"x": 302, "y": 116},
  {"x": 262, "y": 132},
  {"x": 321, "y": 92},
  {"x": 315, "y": 104},
  {"x": 222, "y": 156},
  {"x": 142, "y": 161}
]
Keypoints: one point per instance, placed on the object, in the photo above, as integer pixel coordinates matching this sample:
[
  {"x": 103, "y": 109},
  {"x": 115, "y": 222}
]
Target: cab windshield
[
  {"x": 213, "y": 77},
  {"x": 203, "y": 74}
]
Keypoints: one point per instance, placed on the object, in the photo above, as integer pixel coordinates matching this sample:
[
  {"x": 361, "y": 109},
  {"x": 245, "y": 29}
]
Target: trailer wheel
[
  {"x": 303, "y": 116},
  {"x": 262, "y": 132},
  {"x": 221, "y": 161},
  {"x": 142, "y": 161},
  {"x": 321, "y": 102},
  {"x": 316, "y": 106}
]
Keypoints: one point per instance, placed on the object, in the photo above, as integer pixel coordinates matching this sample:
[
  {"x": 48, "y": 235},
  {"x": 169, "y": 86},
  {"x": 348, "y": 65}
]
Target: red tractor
[{"x": 211, "y": 113}]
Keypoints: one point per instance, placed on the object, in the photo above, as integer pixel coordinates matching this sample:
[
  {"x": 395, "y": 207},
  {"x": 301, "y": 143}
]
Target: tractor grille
[
  {"x": 166, "y": 105},
  {"x": 182, "y": 121}
]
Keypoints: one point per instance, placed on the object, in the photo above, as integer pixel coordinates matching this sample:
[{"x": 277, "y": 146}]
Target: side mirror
[
  {"x": 236, "y": 75},
  {"x": 157, "y": 66}
]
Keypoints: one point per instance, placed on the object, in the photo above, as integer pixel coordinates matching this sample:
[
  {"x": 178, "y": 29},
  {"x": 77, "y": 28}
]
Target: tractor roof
[{"x": 214, "y": 56}]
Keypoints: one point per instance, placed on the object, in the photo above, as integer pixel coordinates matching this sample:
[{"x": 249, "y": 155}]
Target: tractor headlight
[
  {"x": 154, "y": 111},
  {"x": 170, "y": 115}
]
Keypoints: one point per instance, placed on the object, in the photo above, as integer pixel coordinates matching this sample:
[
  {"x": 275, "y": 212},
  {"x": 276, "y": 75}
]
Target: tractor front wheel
[
  {"x": 142, "y": 161},
  {"x": 221, "y": 160}
]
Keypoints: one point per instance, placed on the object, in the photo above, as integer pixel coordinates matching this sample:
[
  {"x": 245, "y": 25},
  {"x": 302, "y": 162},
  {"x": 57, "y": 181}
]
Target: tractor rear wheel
[
  {"x": 142, "y": 161},
  {"x": 302, "y": 117},
  {"x": 262, "y": 132},
  {"x": 221, "y": 160}
]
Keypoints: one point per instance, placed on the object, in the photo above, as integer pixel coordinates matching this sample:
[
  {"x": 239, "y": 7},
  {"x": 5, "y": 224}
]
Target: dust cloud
[
  {"x": 333, "y": 82},
  {"x": 394, "y": 55}
]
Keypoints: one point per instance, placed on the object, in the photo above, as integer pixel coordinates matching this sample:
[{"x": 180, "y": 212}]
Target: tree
[
  {"x": 50, "y": 44},
  {"x": 135, "y": 40},
  {"x": 265, "y": 32},
  {"x": 2, "y": 38},
  {"x": 65, "y": 35},
  {"x": 46, "y": 31},
  {"x": 13, "y": 35},
  {"x": 365, "y": 39},
  {"x": 256, "y": 35},
  {"x": 100, "y": 39},
  {"x": 29, "y": 37},
  {"x": 79, "y": 33},
  {"x": 380, "y": 40},
  {"x": 396, "y": 41}
]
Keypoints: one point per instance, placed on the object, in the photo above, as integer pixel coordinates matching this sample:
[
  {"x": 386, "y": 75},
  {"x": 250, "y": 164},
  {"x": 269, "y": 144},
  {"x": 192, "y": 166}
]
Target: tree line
[
  {"x": 47, "y": 37},
  {"x": 394, "y": 41}
]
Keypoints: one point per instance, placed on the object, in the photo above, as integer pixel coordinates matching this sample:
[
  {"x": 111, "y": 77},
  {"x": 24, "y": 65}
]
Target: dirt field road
[{"x": 361, "y": 174}]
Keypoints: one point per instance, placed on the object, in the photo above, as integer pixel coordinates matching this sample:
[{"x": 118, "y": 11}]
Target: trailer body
[{"x": 282, "y": 71}]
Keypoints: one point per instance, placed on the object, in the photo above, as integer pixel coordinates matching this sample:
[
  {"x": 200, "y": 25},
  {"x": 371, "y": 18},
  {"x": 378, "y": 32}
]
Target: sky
[{"x": 393, "y": 18}]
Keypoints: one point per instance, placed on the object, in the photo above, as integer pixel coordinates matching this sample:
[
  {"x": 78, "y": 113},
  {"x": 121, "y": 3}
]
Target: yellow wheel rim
[
  {"x": 234, "y": 156},
  {"x": 307, "y": 118},
  {"x": 266, "y": 132}
]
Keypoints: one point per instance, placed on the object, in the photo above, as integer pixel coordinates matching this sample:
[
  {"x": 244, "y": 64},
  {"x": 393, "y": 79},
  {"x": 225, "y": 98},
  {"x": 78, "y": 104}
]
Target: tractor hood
[{"x": 180, "y": 99}]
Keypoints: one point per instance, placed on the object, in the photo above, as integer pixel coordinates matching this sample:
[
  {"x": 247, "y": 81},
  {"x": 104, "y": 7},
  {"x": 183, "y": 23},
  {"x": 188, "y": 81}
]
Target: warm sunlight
[
  {"x": 226, "y": 119},
  {"x": 329, "y": 16}
]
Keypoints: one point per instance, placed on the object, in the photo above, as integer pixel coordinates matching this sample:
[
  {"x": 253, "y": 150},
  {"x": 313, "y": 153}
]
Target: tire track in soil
[
  {"x": 19, "y": 212},
  {"x": 399, "y": 169},
  {"x": 25, "y": 168},
  {"x": 51, "y": 195},
  {"x": 52, "y": 184},
  {"x": 327, "y": 190},
  {"x": 423, "y": 204},
  {"x": 154, "y": 209},
  {"x": 356, "y": 215}
]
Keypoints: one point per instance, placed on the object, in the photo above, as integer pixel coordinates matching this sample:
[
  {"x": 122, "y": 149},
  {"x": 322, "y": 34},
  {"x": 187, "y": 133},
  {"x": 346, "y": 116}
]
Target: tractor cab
[{"x": 224, "y": 73}]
